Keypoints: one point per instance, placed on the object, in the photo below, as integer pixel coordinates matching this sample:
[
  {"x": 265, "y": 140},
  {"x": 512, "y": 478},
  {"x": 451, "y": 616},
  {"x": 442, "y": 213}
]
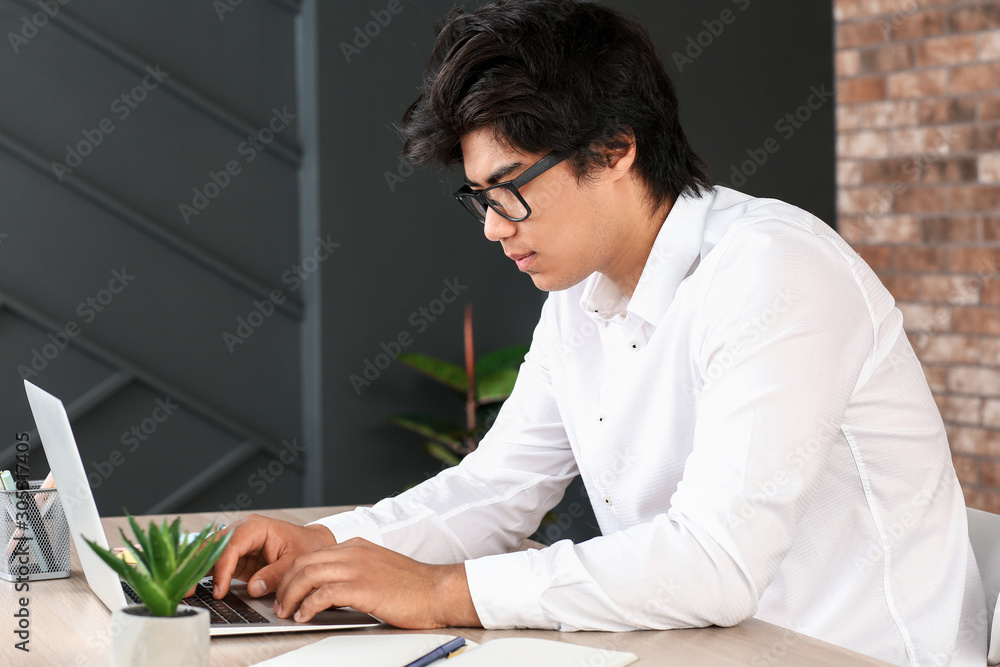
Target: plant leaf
[
  {"x": 188, "y": 575},
  {"x": 150, "y": 594},
  {"x": 436, "y": 428},
  {"x": 191, "y": 545},
  {"x": 502, "y": 359},
  {"x": 442, "y": 453},
  {"x": 140, "y": 556},
  {"x": 140, "y": 537},
  {"x": 162, "y": 554},
  {"x": 116, "y": 564},
  {"x": 153, "y": 596},
  {"x": 497, "y": 386},
  {"x": 175, "y": 531},
  {"x": 165, "y": 568},
  {"x": 443, "y": 371}
]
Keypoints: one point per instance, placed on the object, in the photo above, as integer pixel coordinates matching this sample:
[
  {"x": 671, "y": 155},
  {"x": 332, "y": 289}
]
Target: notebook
[
  {"x": 398, "y": 650},
  {"x": 237, "y": 614}
]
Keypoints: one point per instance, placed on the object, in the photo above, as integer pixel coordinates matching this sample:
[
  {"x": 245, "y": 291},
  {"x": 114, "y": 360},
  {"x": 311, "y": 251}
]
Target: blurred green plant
[
  {"x": 483, "y": 384},
  {"x": 169, "y": 562}
]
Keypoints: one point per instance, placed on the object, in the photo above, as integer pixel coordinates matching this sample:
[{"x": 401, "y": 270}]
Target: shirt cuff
[
  {"x": 352, "y": 524},
  {"x": 503, "y": 591}
]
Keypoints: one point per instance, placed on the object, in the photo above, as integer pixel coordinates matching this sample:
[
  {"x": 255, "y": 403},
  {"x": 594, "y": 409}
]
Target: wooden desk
[{"x": 70, "y": 626}]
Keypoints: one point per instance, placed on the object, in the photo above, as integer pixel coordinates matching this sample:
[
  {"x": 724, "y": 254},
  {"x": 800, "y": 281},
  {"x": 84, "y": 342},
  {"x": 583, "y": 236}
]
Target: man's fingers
[
  {"x": 246, "y": 539},
  {"x": 322, "y": 598},
  {"x": 305, "y": 575},
  {"x": 222, "y": 571},
  {"x": 267, "y": 578}
]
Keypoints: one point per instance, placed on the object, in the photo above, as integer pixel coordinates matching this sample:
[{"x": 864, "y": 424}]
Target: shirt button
[
  {"x": 607, "y": 501},
  {"x": 600, "y": 420},
  {"x": 634, "y": 346}
]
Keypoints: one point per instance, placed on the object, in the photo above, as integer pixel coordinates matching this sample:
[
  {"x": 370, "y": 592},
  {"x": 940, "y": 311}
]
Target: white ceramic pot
[{"x": 141, "y": 640}]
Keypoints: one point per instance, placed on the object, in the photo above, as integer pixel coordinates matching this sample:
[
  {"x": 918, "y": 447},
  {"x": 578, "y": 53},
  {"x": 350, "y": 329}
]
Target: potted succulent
[{"x": 168, "y": 564}]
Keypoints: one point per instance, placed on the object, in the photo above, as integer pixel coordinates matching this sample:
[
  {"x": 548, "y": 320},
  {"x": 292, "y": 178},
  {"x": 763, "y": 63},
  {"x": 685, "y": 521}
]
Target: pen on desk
[{"x": 440, "y": 653}]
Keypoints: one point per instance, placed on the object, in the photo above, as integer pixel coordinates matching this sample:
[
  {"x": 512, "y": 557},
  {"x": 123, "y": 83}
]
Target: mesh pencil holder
[{"x": 34, "y": 535}]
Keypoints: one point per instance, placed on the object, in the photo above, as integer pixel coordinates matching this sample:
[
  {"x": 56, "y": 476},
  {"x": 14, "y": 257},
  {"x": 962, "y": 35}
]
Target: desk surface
[{"x": 70, "y": 626}]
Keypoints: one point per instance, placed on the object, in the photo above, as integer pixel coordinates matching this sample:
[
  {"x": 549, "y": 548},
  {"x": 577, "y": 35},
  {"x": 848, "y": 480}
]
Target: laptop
[{"x": 237, "y": 614}]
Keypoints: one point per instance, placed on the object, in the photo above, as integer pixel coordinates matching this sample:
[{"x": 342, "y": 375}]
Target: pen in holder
[{"x": 34, "y": 535}]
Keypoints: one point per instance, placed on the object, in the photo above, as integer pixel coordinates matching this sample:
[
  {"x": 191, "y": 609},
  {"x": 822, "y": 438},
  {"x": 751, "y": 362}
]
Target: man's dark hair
[{"x": 554, "y": 76}]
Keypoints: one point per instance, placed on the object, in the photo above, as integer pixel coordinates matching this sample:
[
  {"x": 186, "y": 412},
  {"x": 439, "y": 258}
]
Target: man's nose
[{"x": 498, "y": 227}]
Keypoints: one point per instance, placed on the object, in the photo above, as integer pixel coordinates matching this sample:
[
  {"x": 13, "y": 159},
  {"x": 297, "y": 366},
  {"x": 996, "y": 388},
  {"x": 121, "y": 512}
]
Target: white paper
[
  {"x": 530, "y": 652},
  {"x": 361, "y": 650},
  {"x": 399, "y": 650}
]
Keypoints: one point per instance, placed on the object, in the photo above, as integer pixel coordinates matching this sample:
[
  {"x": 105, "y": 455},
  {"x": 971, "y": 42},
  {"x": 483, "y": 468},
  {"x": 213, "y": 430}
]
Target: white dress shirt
[{"x": 756, "y": 436}]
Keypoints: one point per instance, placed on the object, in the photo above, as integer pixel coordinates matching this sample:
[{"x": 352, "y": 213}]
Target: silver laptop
[{"x": 237, "y": 614}]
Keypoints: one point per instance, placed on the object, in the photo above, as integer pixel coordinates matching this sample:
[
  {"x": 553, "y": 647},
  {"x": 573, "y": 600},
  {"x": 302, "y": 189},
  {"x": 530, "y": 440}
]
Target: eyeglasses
[{"x": 504, "y": 198}]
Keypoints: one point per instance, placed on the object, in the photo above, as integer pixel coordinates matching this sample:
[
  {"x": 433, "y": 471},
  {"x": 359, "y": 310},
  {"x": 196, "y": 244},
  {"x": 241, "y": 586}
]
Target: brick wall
[{"x": 918, "y": 145}]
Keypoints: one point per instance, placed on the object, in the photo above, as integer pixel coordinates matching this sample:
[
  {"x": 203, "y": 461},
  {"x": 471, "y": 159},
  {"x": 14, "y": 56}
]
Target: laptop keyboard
[{"x": 230, "y": 610}]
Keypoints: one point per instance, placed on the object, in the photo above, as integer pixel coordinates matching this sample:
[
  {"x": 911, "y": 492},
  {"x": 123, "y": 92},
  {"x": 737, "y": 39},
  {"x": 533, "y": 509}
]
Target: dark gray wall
[
  {"x": 400, "y": 239},
  {"x": 79, "y": 91},
  {"x": 747, "y": 72},
  {"x": 401, "y": 242}
]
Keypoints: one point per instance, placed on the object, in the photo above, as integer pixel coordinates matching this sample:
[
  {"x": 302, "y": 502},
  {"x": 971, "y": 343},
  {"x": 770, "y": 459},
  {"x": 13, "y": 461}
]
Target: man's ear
[{"x": 620, "y": 160}]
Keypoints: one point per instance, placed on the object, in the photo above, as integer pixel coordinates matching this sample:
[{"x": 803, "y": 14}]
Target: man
[{"x": 728, "y": 377}]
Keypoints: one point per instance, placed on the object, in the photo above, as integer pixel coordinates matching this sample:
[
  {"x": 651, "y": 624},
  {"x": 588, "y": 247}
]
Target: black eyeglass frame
[{"x": 466, "y": 193}]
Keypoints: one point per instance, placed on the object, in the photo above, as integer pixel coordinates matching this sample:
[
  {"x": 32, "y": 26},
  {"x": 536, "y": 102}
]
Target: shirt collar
[{"x": 673, "y": 256}]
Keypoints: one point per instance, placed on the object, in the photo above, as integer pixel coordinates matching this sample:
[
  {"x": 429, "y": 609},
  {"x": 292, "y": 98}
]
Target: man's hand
[
  {"x": 373, "y": 579},
  {"x": 262, "y": 549}
]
